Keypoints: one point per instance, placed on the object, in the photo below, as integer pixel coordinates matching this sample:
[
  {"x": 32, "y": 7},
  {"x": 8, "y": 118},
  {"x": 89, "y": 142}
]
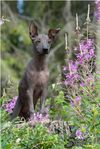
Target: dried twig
[
  {"x": 66, "y": 41},
  {"x": 88, "y": 20}
]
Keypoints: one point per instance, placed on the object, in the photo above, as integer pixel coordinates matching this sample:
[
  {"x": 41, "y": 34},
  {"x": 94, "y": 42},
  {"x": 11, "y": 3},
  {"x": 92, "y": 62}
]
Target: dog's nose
[{"x": 45, "y": 50}]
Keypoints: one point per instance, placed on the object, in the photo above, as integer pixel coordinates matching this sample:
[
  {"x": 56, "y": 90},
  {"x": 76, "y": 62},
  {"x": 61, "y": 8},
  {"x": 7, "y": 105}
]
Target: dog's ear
[
  {"x": 33, "y": 30},
  {"x": 53, "y": 32}
]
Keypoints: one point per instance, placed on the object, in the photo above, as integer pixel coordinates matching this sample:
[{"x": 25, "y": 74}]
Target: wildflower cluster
[
  {"x": 79, "y": 77},
  {"x": 10, "y": 105},
  {"x": 78, "y": 72},
  {"x": 86, "y": 51},
  {"x": 80, "y": 135},
  {"x": 39, "y": 118},
  {"x": 97, "y": 12}
]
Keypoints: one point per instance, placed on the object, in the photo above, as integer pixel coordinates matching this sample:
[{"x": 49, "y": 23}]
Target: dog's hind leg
[{"x": 17, "y": 109}]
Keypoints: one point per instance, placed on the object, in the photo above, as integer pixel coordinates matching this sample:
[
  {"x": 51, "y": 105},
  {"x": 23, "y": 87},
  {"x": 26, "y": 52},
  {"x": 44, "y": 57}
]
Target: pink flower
[
  {"x": 82, "y": 84},
  {"x": 39, "y": 118},
  {"x": 65, "y": 68},
  {"x": 76, "y": 101},
  {"x": 10, "y": 105},
  {"x": 97, "y": 11},
  {"x": 79, "y": 134}
]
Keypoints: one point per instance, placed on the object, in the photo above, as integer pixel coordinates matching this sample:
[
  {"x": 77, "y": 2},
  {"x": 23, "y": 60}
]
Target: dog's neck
[{"x": 40, "y": 61}]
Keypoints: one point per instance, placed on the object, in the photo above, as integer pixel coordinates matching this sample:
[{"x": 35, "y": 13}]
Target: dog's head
[{"x": 42, "y": 42}]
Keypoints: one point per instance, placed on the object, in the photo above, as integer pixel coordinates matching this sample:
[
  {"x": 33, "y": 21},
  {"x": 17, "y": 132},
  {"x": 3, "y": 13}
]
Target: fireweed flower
[
  {"x": 71, "y": 79},
  {"x": 80, "y": 134},
  {"x": 10, "y": 105},
  {"x": 86, "y": 50},
  {"x": 97, "y": 11},
  {"x": 76, "y": 102},
  {"x": 39, "y": 118},
  {"x": 82, "y": 84},
  {"x": 80, "y": 65},
  {"x": 80, "y": 58},
  {"x": 64, "y": 68},
  {"x": 73, "y": 67},
  {"x": 71, "y": 73}
]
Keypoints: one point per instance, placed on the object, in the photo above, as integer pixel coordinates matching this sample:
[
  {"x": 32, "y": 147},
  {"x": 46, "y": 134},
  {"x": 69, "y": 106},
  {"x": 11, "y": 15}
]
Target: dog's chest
[
  {"x": 39, "y": 77},
  {"x": 42, "y": 77}
]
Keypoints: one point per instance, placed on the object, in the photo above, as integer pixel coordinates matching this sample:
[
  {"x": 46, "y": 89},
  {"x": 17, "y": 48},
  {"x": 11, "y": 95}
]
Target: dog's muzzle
[{"x": 45, "y": 51}]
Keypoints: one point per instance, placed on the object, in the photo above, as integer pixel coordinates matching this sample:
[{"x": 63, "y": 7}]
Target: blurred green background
[{"x": 16, "y": 44}]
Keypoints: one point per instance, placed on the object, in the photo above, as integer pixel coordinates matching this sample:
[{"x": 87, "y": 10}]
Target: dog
[{"x": 34, "y": 83}]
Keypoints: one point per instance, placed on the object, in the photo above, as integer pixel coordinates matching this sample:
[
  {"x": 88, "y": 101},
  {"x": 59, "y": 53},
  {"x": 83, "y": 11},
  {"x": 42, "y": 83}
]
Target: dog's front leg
[
  {"x": 42, "y": 100},
  {"x": 30, "y": 102}
]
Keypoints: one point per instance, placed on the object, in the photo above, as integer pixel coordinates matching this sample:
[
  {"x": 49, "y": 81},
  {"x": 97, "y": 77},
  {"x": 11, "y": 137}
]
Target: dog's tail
[{"x": 16, "y": 110}]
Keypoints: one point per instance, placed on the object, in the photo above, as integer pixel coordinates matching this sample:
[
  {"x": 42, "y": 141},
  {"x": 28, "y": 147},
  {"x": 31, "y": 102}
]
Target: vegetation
[{"x": 72, "y": 113}]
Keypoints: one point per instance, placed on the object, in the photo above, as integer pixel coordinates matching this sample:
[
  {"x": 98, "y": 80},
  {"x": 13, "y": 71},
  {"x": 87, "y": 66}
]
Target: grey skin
[{"x": 34, "y": 82}]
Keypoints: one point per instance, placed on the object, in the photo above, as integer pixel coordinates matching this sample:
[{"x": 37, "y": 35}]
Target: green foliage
[
  {"x": 86, "y": 117},
  {"x": 12, "y": 55},
  {"x": 60, "y": 107},
  {"x": 16, "y": 52},
  {"x": 29, "y": 138},
  {"x": 17, "y": 134}
]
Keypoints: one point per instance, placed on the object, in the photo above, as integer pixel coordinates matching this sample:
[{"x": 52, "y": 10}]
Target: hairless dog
[{"x": 34, "y": 82}]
